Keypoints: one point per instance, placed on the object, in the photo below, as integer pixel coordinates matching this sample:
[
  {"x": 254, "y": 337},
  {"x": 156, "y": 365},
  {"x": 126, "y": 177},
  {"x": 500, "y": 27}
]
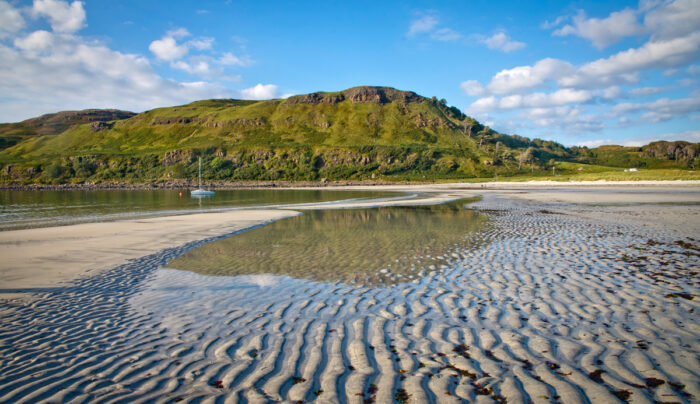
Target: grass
[{"x": 277, "y": 140}]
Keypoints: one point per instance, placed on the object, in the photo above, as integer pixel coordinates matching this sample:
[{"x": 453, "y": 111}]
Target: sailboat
[{"x": 199, "y": 191}]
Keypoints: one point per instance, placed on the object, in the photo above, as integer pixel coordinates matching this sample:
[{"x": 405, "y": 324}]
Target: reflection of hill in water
[{"x": 342, "y": 245}]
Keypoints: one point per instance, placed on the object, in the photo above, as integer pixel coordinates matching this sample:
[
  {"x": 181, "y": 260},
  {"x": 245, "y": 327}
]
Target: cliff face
[{"x": 364, "y": 94}]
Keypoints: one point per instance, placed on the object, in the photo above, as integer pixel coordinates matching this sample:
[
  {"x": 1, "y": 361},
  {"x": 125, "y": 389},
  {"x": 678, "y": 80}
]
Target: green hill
[
  {"x": 359, "y": 133},
  {"x": 51, "y": 124}
]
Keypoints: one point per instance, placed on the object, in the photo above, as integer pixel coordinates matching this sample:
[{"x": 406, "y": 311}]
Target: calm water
[
  {"x": 364, "y": 246},
  {"x": 27, "y": 209}
]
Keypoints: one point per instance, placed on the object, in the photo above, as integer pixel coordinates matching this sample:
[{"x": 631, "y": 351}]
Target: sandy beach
[{"x": 576, "y": 293}]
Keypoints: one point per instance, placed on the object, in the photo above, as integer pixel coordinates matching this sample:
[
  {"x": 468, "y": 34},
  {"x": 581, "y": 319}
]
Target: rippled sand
[{"x": 557, "y": 307}]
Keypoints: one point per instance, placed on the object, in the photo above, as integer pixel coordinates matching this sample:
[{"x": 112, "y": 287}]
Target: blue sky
[{"x": 582, "y": 72}]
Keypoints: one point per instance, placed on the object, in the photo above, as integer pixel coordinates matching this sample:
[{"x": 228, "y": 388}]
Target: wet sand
[{"x": 563, "y": 303}]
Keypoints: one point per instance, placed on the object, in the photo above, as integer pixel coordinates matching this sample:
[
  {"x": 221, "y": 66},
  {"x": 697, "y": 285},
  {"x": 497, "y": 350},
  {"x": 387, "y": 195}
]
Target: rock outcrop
[{"x": 364, "y": 94}]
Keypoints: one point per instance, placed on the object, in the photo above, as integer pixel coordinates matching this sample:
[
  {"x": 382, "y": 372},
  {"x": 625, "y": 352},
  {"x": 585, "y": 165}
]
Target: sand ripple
[{"x": 556, "y": 308}]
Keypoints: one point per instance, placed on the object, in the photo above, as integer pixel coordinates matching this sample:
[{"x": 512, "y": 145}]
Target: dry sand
[
  {"x": 45, "y": 258},
  {"x": 565, "y": 303}
]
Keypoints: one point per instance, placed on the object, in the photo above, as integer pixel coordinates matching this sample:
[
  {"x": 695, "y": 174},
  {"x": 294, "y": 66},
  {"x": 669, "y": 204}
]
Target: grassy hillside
[
  {"x": 52, "y": 124},
  {"x": 359, "y": 133}
]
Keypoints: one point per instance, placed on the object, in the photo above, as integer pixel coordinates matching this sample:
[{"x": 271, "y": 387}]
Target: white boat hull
[{"x": 201, "y": 192}]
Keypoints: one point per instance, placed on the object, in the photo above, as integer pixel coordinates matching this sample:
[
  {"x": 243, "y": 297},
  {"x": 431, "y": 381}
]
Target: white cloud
[
  {"x": 260, "y": 92},
  {"x": 428, "y": 24},
  {"x": 535, "y": 100},
  {"x": 623, "y": 66},
  {"x": 11, "y": 20},
  {"x": 446, "y": 35},
  {"x": 604, "y": 32},
  {"x": 63, "y": 17},
  {"x": 644, "y": 91},
  {"x": 199, "y": 67},
  {"x": 73, "y": 74},
  {"x": 673, "y": 19},
  {"x": 660, "y": 110},
  {"x": 167, "y": 48},
  {"x": 502, "y": 42},
  {"x": 422, "y": 25},
  {"x": 555, "y": 23},
  {"x": 523, "y": 78},
  {"x": 202, "y": 43},
  {"x": 178, "y": 33},
  {"x": 563, "y": 119},
  {"x": 36, "y": 41},
  {"x": 663, "y": 20},
  {"x": 694, "y": 70},
  {"x": 473, "y": 87},
  {"x": 202, "y": 66},
  {"x": 229, "y": 59}
]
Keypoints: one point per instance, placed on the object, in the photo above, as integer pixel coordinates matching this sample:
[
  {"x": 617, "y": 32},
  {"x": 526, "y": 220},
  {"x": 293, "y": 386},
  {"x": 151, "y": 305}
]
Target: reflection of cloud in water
[{"x": 179, "y": 298}]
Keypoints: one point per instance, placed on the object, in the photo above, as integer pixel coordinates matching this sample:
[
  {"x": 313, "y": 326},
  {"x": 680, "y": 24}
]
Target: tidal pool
[{"x": 375, "y": 246}]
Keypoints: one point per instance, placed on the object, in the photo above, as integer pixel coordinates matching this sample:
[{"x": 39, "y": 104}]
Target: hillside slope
[
  {"x": 358, "y": 133},
  {"x": 52, "y": 124}
]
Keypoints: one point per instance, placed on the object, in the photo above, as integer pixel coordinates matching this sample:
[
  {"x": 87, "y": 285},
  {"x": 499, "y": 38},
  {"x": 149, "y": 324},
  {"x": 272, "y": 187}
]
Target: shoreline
[
  {"x": 45, "y": 257},
  {"x": 184, "y": 184}
]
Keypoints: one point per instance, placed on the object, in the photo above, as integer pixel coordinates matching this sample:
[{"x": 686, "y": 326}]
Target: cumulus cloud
[
  {"x": 167, "y": 48},
  {"x": 36, "y": 41},
  {"x": 172, "y": 48},
  {"x": 620, "y": 68},
  {"x": 473, "y": 87},
  {"x": 660, "y": 110},
  {"x": 62, "y": 16},
  {"x": 662, "y": 20},
  {"x": 672, "y": 19},
  {"x": 623, "y": 66},
  {"x": 11, "y": 20},
  {"x": 46, "y": 71},
  {"x": 501, "y": 41},
  {"x": 606, "y": 31},
  {"x": 260, "y": 92},
  {"x": 534, "y": 100},
  {"x": 72, "y": 74},
  {"x": 523, "y": 78},
  {"x": 593, "y": 94}
]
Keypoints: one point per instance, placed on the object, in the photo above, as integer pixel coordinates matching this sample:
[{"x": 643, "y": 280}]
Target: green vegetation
[{"x": 358, "y": 134}]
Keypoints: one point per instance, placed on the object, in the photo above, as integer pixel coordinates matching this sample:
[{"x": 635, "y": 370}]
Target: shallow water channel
[{"x": 30, "y": 209}]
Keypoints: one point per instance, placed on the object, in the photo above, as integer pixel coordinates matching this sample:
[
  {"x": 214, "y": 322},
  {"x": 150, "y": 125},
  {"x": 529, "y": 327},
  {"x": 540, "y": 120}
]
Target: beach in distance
[{"x": 500, "y": 292}]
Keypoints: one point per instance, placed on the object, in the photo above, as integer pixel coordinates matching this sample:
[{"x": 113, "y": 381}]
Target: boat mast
[{"x": 200, "y": 173}]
